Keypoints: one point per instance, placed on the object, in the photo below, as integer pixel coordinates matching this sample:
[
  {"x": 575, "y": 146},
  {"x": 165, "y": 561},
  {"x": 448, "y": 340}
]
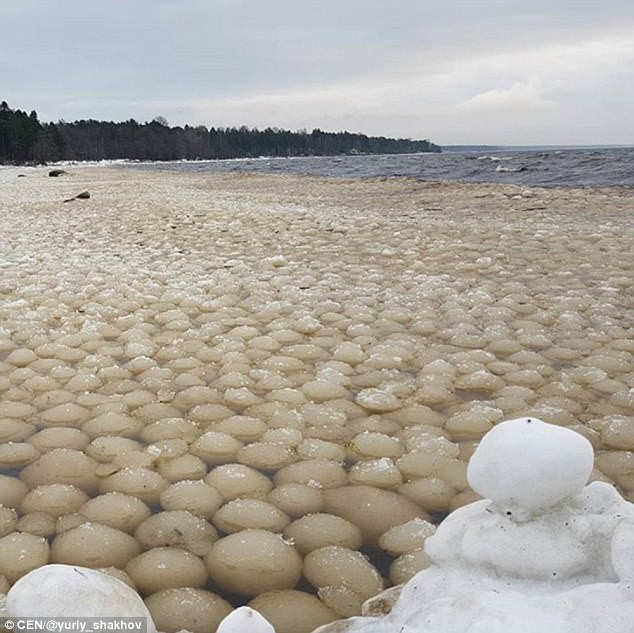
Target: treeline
[{"x": 24, "y": 139}]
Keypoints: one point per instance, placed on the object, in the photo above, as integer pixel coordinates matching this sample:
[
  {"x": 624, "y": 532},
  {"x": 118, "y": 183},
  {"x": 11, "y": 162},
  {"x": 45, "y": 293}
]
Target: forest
[{"x": 26, "y": 140}]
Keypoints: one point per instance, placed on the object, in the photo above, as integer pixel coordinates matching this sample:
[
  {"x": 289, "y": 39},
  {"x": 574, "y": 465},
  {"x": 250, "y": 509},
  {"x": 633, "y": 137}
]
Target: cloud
[
  {"x": 457, "y": 71},
  {"x": 522, "y": 96}
]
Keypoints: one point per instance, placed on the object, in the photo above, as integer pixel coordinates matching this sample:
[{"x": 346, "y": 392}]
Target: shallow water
[{"x": 293, "y": 314}]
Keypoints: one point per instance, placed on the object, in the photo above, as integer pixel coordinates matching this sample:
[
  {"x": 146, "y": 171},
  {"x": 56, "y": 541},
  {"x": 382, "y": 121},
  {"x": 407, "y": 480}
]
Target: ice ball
[
  {"x": 187, "y": 608},
  {"x": 72, "y": 591},
  {"x": 333, "y": 565},
  {"x": 252, "y": 562},
  {"x": 529, "y": 465},
  {"x": 176, "y": 528},
  {"x": 94, "y": 545},
  {"x": 195, "y": 496},
  {"x": 292, "y": 611},
  {"x": 164, "y": 567},
  {"x": 317, "y": 530},
  {"x": 21, "y": 552}
]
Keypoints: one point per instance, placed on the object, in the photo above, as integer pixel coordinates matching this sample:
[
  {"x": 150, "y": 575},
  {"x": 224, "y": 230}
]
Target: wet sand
[{"x": 351, "y": 322}]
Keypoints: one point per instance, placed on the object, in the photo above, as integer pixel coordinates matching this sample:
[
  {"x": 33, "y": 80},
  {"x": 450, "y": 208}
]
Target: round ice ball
[
  {"x": 320, "y": 529},
  {"x": 528, "y": 465},
  {"x": 142, "y": 483},
  {"x": 94, "y": 545},
  {"x": 187, "y": 608},
  {"x": 296, "y": 500},
  {"x": 21, "y": 552},
  {"x": 63, "y": 466},
  {"x": 54, "y": 499},
  {"x": 8, "y": 520},
  {"x": 116, "y": 509},
  {"x": 406, "y": 537},
  {"x": 164, "y": 567},
  {"x": 408, "y": 565},
  {"x": 59, "y": 437},
  {"x": 241, "y": 514},
  {"x": 107, "y": 447},
  {"x": 17, "y": 454},
  {"x": 216, "y": 448},
  {"x": 252, "y": 562},
  {"x": 72, "y": 591},
  {"x": 292, "y": 611},
  {"x": 334, "y": 565},
  {"x": 182, "y": 468},
  {"x": 195, "y": 496},
  {"x": 372, "y": 510},
  {"x": 177, "y": 528},
  {"x": 233, "y": 481},
  {"x": 323, "y": 472},
  {"x": 12, "y": 491},
  {"x": 38, "y": 523}
]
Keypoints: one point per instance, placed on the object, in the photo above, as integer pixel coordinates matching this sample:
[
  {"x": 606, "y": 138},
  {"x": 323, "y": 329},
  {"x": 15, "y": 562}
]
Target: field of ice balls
[{"x": 265, "y": 389}]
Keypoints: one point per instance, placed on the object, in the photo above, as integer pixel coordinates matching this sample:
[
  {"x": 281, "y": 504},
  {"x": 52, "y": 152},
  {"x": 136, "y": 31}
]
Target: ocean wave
[{"x": 572, "y": 167}]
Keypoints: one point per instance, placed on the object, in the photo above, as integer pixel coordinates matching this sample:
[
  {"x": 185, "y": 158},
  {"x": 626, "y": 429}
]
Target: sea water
[{"x": 535, "y": 167}]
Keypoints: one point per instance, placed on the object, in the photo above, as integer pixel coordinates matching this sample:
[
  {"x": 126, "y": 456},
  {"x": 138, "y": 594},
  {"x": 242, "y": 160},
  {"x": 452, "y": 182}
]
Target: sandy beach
[{"x": 332, "y": 333}]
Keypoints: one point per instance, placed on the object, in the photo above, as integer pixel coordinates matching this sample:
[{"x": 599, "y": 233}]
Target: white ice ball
[
  {"x": 526, "y": 465},
  {"x": 245, "y": 619},
  {"x": 71, "y": 591}
]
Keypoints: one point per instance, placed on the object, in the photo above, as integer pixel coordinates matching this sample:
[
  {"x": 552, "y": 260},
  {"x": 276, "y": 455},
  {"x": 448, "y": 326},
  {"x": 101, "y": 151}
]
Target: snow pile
[{"x": 542, "y": 553}]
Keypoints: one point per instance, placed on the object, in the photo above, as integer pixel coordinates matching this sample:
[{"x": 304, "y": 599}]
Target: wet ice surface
[{"x": 326, "y": 333}]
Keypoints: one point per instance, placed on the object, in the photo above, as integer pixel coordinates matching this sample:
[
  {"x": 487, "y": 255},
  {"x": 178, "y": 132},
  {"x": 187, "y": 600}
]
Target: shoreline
[{"x": 416, "y": 314}]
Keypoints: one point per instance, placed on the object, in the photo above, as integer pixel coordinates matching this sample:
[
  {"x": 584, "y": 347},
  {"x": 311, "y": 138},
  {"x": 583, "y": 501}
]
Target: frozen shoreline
[{"x": 322, "y": 307}]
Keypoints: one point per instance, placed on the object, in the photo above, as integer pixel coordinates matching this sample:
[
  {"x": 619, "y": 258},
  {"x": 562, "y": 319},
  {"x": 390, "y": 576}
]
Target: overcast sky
[{"x": 454, "y": 71}]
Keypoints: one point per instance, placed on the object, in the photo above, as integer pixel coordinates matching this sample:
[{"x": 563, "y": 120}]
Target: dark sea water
[{"x": 542, "y": 167}]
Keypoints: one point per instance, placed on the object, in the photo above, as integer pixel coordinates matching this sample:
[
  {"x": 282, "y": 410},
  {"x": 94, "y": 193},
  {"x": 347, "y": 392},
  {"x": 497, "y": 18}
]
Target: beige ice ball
[
  {"x": 12, "y": 491},
  {"x": 241, "y": 514},
  {"x": 253, "y": 561},
  {"x": 21, "y": 552},
  {"x": 372, "y": 510},
  {"x": 63, "y": 466},
  {"x": 164, "y": 567},
  {"x": 177, "y": 528},
  {"x": 187, "y": 608},
  {"x": 317, "y": 530},
  {"x": 195, "y": 496},
  {"x": 117, "y": 510},
  {"x": 94, "y": 545},
  {"x": 235, "y": 481},
  {"x": 292, "y": 611},
  {"x": 297, "y": 500},
  {"x": 334, "y": 566},
  {"x": 8, "y": 520},
  {"x": 54, "y": 499},
  {"x": 527, "y": 466}
]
